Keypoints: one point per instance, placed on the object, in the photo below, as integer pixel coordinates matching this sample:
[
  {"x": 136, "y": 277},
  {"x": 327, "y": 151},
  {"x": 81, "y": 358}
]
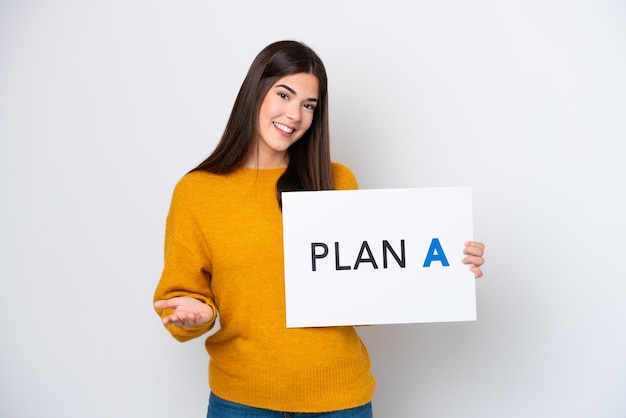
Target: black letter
[
  {"x": 315, "y": 256},
  {"x": 337, "y": 266},
  {"x": 387, "y": 246},
  {"x": 365, "y": 247}
]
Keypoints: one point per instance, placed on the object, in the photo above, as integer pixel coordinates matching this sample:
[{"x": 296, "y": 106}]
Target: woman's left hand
[{"x": 474, "y": 251}]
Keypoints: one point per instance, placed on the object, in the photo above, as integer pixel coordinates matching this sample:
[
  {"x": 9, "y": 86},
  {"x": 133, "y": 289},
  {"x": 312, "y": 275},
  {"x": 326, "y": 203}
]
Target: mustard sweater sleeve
[{"x": 187, "y": 262}]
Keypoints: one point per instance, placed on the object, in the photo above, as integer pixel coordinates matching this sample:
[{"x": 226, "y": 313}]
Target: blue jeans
[{"x": 221, "y": 408}]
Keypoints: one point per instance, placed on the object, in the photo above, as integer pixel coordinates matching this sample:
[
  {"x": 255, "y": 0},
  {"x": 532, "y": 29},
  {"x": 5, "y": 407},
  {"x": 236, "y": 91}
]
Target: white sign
[{"x": 357, "y": 257}]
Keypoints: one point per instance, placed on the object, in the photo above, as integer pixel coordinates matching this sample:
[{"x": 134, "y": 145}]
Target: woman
[{"x": 223, "y": 252}]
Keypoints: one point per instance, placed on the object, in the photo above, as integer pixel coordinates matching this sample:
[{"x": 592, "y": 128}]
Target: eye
[
  {"x": 282, "y": 95},
  {"x": 309, "y": 106}
]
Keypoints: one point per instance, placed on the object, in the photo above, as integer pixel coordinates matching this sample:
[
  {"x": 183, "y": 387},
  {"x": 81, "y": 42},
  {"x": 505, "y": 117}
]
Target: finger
[
  {"x": 188, "y": 320},
  {"x": 474, "y": 250},
  {"x": 173, "y": 303},
  {"x": 475, "y": 260},
  {"x": 170, "y": 319},
  {"x": 477, "y": 244},
  {"x": 180, "y": 320},
  {"x": 161, "y": 304},
  {"x": 174, "y": 319},
  {"x": 196, "y": 317},
  {"x": 478, "y": 273},
  {"x": 177, "y": 323}
]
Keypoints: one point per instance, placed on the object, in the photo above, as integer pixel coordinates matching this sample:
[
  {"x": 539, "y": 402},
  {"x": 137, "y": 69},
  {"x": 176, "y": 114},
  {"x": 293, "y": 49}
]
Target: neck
[{"x": 261, "y": 161}]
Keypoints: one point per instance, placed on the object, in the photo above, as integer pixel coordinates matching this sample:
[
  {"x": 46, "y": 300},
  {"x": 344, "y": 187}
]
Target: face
[{"x": 285, "y": 115}]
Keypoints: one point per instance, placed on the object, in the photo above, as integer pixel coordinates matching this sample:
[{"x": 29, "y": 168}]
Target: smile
[{"x": 283, "y": 128}]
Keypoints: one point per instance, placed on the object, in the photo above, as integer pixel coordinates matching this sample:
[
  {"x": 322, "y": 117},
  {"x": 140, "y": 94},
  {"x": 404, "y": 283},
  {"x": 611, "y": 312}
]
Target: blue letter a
[{"x": 435, "y": 253}]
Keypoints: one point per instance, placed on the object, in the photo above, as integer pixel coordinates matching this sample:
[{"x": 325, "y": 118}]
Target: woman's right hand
[{"x": 188, "y": 312}]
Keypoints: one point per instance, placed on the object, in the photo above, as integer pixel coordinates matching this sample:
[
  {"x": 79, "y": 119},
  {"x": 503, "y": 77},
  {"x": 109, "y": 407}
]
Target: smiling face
[{"x": 285, "y": 115}]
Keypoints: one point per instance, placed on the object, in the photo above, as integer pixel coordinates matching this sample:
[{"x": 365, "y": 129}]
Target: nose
[{"x": 294, "y": 112}]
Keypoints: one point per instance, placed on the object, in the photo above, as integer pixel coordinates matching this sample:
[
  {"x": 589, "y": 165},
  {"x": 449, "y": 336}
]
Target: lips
[{"x": 286, "y": 129}]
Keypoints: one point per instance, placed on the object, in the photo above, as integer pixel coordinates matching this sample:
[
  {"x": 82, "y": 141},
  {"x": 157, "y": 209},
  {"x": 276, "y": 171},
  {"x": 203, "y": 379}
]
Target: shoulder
[
  {"x": 191, "y": 182},
  {"x": 196, "y": 197},
  {"x": 343, "y": 177},
  {"x": 195, "y": 188}
]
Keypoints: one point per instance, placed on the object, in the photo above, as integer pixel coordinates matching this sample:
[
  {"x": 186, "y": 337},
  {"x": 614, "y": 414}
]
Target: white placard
[{"x": 356, "y": 257}]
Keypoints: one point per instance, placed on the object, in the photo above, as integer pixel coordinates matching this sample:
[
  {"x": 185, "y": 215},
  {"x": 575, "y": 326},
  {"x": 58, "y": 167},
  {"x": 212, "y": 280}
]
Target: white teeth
[{"x": 284, "y": 128}]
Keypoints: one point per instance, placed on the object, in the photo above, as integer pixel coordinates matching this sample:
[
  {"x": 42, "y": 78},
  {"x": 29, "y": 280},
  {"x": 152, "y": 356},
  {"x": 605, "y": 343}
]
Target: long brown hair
[{"x": 309, "y": 166}]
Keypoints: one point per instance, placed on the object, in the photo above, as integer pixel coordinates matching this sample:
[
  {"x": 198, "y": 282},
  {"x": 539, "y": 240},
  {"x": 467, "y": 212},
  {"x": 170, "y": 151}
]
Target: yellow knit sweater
[{"x": 224, "y": 245}]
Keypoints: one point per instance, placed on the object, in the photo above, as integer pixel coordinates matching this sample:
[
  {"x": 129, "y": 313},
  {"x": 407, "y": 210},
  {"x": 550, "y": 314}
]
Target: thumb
[{"x": 164, "y": 304}]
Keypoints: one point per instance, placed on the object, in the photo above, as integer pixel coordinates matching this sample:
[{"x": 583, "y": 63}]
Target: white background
[{"x": 105, "y": 104}]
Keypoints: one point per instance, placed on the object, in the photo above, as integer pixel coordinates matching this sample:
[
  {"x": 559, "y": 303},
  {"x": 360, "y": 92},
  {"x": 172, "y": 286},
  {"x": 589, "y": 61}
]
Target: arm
[{"x": 183, "y": 298}]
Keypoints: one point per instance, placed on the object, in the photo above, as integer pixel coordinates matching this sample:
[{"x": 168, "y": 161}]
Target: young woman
[{"x": 224, "y": 254}]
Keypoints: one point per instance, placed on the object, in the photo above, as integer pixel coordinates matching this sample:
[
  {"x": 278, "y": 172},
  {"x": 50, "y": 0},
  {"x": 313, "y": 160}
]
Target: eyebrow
[{"x": 292, "y": 91}]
